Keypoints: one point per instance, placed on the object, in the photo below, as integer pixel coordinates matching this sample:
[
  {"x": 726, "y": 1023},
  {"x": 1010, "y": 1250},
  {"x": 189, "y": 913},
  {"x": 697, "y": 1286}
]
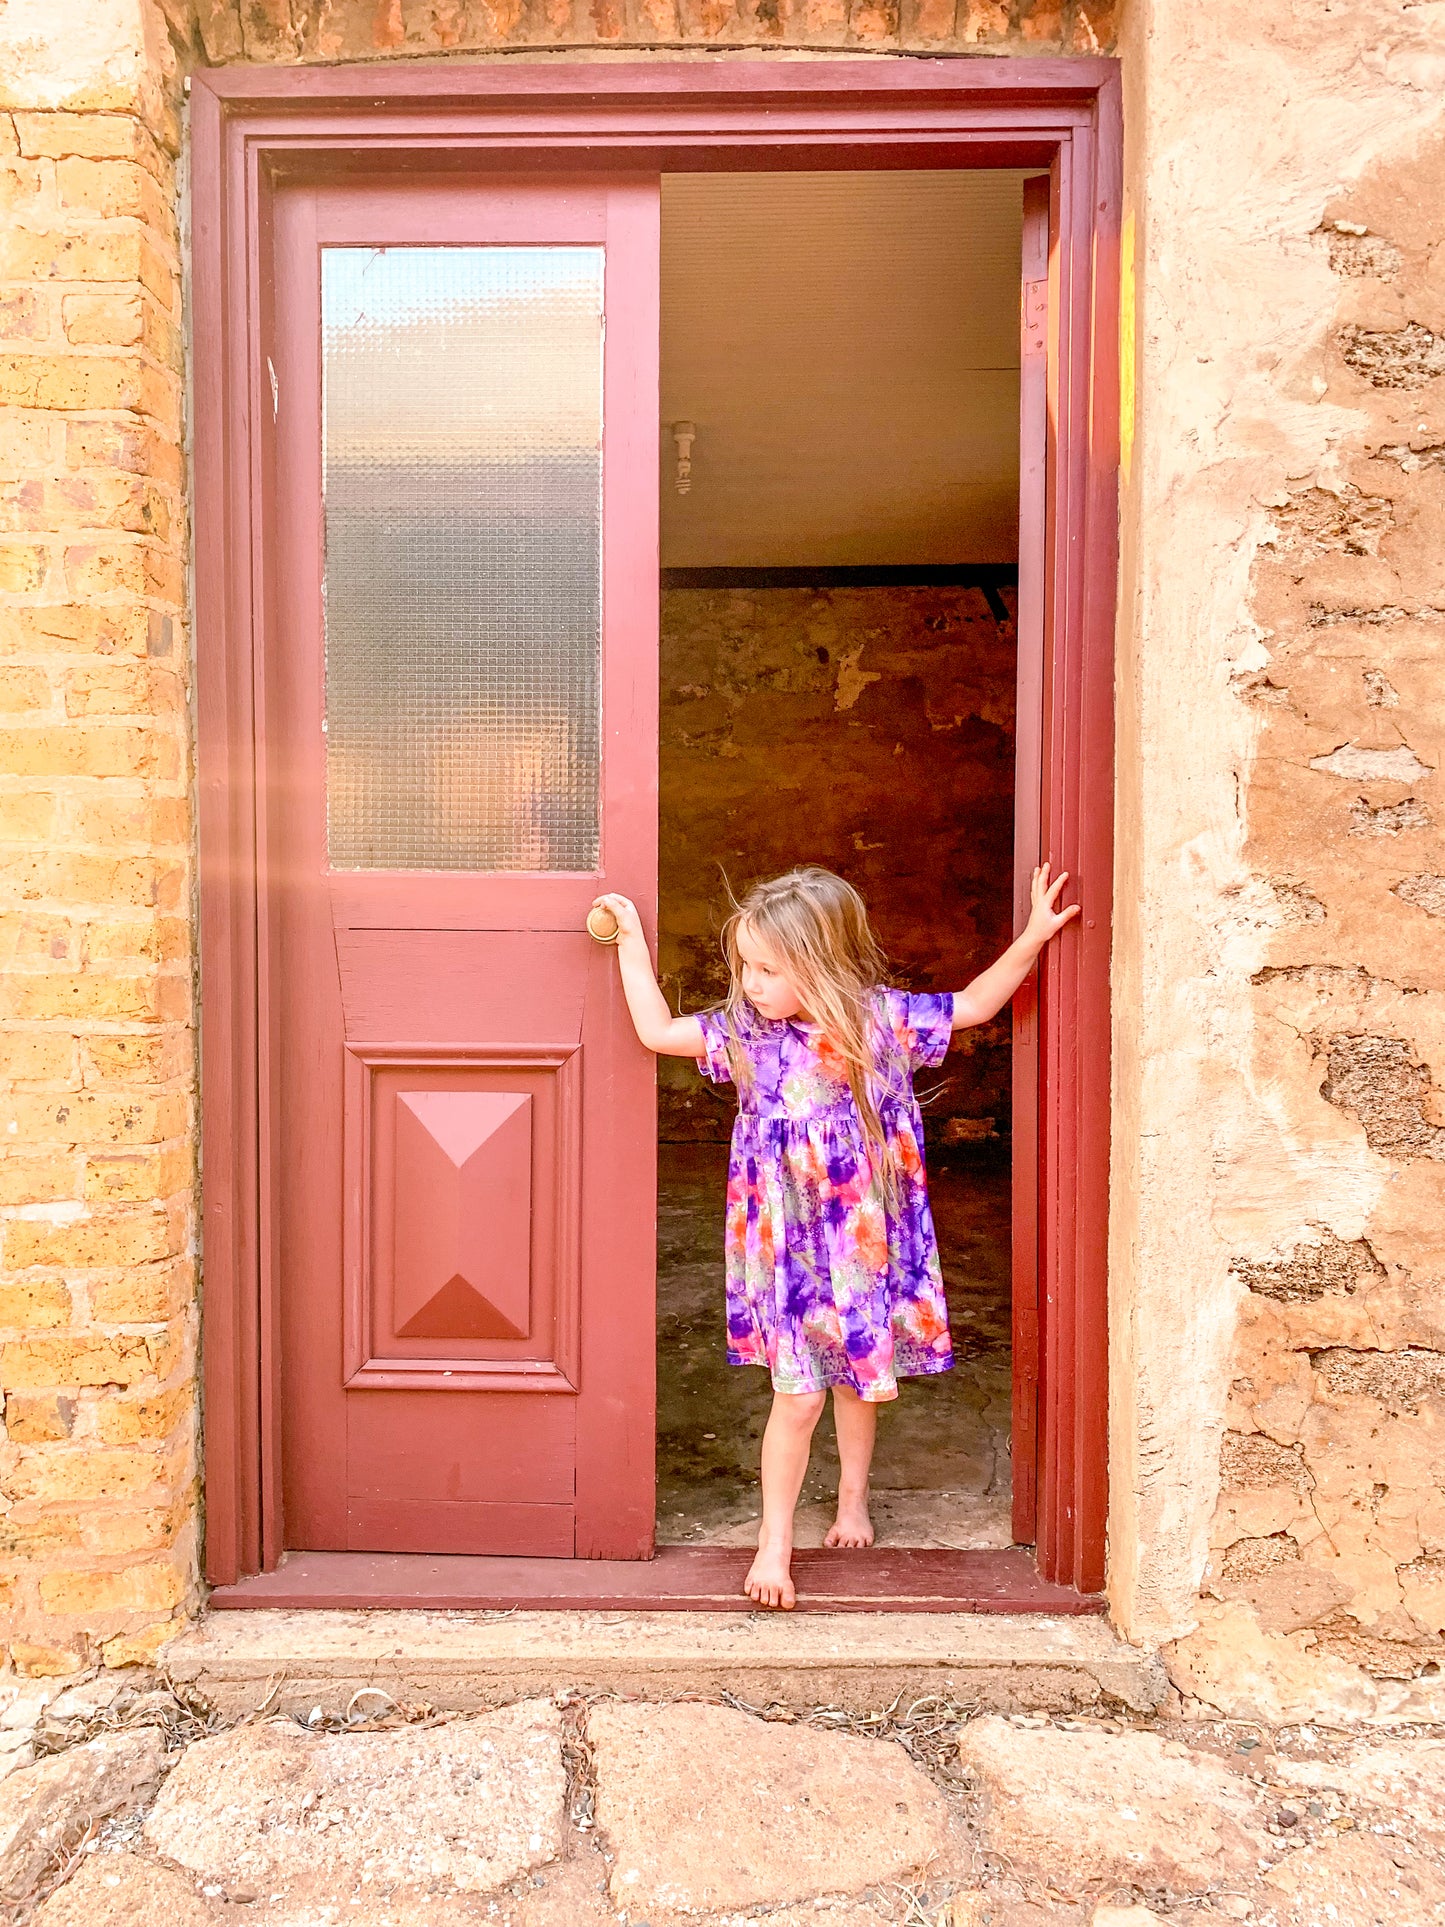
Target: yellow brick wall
[{"x": 98, "y": 1469}]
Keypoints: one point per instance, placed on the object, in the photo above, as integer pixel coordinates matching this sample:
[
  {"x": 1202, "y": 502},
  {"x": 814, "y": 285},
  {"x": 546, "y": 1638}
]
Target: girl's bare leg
[
  {"x": 786, "y": 1442},
  {"x": 857, "y": 1422}
]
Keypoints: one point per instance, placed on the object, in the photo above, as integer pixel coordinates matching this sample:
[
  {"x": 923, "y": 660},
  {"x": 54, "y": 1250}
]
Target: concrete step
[{"x": 466, "y": 1660}]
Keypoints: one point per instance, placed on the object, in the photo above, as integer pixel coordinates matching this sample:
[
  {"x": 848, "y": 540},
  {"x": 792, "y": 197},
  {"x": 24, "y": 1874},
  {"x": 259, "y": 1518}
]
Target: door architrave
[{"x": 253, "y": 127}]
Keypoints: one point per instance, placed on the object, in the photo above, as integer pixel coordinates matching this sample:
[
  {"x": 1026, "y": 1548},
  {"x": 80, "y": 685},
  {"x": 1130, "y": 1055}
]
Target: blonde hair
[{"x": 816, "y": 926}]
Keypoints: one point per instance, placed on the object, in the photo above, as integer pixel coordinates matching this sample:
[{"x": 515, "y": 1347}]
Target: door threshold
[
  {"x": 899, "y": 1579},
  {"x": 293, "y": 1663}
]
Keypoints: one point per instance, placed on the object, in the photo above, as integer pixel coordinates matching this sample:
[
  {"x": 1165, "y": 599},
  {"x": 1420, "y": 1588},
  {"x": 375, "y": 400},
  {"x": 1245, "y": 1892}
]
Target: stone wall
[
  {"x": 1279, "y": 1240},
  {"x": 98, "y": 1485},
  {"x": 869, "y": 730},
  {"x": 1278, "y": 1311}
]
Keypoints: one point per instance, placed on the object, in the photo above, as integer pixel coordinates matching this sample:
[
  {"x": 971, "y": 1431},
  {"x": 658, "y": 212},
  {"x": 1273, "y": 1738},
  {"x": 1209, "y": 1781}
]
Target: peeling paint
[
  {"x": 1358, "y": 764},
  {"x": 1425, "y": 891},
  {"x": 1376, "y": 1079}
]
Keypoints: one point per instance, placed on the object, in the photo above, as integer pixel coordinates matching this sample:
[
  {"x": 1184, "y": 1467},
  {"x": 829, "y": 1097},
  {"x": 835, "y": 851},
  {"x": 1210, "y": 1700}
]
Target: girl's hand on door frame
[{"x": 1046, "y": 920}]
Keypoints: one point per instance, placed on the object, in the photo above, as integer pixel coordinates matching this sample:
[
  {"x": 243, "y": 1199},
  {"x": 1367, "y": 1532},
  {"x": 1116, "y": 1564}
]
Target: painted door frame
[{"x": 254, "y": 126}]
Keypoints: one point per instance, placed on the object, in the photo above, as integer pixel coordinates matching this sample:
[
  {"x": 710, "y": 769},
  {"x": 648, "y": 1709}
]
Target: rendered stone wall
[
  {"x": 98, "y": 1486},
  {"x": 872, "y": 731},
  {"x": 1279, "y": 1224}
]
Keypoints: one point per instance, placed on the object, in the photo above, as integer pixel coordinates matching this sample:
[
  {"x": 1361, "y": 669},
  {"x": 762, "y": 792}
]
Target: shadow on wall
[{"x": 867, "y": 729}]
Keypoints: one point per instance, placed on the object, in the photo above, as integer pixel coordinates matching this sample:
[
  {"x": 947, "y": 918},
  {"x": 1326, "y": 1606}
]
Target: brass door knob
[{"x": 602, "y": 925}]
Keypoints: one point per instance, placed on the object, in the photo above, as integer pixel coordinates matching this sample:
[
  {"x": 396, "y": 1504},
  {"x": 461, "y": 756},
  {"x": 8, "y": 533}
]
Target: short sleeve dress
[{"x": 829, "y": 1280}]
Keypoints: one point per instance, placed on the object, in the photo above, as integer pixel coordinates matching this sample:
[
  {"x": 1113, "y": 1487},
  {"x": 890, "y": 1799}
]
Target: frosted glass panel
[{"x": 462, "y": 449}]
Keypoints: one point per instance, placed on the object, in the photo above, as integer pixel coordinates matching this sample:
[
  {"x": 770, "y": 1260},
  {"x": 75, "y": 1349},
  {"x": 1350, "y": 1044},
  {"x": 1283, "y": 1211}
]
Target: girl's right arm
[
  {"x": 654, "y": 1023},
  {"x": 992, "y": 988}
]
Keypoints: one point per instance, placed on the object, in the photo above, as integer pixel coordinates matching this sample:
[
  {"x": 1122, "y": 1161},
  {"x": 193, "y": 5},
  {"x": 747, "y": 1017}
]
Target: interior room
[{"x": 839, "y": 546}]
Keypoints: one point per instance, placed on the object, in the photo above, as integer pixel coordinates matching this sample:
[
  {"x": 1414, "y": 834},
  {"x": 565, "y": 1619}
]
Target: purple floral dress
[{"x": 828, "y": 1281}]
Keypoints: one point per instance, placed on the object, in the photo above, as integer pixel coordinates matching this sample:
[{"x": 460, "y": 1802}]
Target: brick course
[
  {"x": 98, "y": 1474},
  {"x": 286, "y": 31}
]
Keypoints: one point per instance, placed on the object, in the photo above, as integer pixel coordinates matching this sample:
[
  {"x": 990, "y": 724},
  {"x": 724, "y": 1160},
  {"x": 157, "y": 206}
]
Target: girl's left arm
[{"x": 992, "y": 988}]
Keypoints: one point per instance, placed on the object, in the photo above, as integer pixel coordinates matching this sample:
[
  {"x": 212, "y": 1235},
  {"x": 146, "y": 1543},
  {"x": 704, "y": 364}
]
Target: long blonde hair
[{"x": 816, "y": 925}]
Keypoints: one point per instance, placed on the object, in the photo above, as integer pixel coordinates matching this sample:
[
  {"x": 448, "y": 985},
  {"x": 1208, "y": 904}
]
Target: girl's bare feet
[
  {"x": 770, "y": 1577},
  {"x": 852, "y": 1527}
]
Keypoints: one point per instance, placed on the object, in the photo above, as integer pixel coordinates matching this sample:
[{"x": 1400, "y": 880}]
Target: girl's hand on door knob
[
  {"x": 652, "y": 1019},
  {"x": 623, "y": 910}
]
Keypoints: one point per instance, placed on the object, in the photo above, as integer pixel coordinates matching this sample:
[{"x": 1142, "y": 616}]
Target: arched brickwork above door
[{"x": 287, "y": 31}]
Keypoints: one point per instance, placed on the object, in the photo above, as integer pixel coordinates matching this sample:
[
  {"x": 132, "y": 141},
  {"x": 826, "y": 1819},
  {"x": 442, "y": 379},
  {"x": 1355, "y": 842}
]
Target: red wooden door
[{"x": 459, "y": 710}]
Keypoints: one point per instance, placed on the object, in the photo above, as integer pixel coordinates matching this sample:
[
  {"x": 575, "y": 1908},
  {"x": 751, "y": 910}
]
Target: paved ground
[
  {"x": 941, "y": 1473},
  {"x": 124, "y": 1804}
]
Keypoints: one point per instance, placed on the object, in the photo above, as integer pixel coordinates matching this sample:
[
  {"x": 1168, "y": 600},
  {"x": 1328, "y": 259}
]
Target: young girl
[{"x": 833, "y": 1278}]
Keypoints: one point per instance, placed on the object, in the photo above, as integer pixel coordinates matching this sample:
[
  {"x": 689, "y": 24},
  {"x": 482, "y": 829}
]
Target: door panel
[
  {"x": 460, "y": 1173},
  {"x": 460, "y": 752},
  {"x": 424, "y": 1473},
  {"x": 461, "y": 1219},
  {"x": 522, "y": 1443},
  {"x": 525, "y": 981}
]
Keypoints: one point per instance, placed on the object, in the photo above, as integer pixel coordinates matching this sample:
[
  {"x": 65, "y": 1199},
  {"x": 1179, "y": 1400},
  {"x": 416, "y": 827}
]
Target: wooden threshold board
[{"x": 898, "y": 1579}]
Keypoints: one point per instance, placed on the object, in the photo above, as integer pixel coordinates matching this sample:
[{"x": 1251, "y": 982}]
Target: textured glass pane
[{"x": 463, "y": 463}]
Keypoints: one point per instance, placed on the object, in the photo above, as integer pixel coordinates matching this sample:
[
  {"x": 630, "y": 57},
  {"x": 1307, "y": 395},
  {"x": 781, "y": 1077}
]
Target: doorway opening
[
  {"x": 479, "y": 992},
  {"x": 839, "y": 543}
]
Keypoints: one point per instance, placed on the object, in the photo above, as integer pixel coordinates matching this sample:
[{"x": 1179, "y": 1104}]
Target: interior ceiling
[{"x": 847, "y": 345}]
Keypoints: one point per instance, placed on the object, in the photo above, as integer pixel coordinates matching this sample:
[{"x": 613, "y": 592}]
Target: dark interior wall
[{"x": 867, "y": 729}]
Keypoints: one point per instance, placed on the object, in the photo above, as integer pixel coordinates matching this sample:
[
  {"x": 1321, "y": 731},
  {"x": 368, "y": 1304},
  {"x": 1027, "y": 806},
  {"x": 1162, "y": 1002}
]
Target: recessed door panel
[
  {"x": 461, "y": 1218},
  {"x": 463, "y": 1213},
  {"x": 460, "y": 752}
]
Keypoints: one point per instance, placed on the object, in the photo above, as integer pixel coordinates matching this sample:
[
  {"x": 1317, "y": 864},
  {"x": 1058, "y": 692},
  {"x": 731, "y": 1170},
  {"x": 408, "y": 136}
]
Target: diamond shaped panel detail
[{"x": 461, "y": 1265}]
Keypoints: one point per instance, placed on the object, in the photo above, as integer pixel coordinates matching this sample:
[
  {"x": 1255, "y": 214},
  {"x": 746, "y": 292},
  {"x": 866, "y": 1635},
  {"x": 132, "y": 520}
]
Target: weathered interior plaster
[
  {"x": 1279, "y": 1046},
  {"x": 867, "y": 729}
]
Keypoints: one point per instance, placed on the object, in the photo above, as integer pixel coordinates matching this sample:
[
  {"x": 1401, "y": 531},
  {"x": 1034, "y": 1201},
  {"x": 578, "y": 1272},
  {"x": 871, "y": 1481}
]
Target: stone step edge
[{"x": 462, "y": 1661}]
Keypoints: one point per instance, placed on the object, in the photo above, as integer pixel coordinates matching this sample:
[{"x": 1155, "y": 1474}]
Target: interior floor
[{"x": 941, "y": 1474}]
